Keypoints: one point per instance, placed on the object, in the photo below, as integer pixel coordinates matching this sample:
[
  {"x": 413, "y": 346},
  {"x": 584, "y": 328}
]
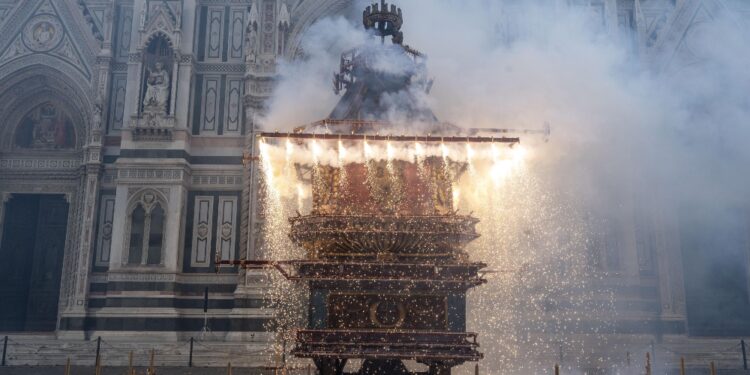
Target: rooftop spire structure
[{"x": 380, "y": 81}]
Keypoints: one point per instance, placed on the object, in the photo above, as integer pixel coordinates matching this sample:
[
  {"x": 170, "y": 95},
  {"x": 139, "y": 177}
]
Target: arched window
[
  {"x": 146, "y": 230},
  {"x": 138, "y": 221},
  {"x": 155, "y": 235}
]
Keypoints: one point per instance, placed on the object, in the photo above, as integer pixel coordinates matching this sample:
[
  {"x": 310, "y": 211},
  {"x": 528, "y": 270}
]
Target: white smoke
[{"x": 630, "y": 132}]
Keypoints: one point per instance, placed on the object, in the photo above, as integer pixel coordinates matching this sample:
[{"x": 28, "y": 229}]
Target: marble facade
[{"x": 133, "y": 134}]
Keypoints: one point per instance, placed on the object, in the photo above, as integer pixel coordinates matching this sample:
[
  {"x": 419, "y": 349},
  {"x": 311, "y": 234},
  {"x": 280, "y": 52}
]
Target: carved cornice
[
  {"x": 150, "y": 175},
  {"x": 40, "y": 163},
  {"x": 166, "y": 277},
  {"x": 217, "y": 180}
]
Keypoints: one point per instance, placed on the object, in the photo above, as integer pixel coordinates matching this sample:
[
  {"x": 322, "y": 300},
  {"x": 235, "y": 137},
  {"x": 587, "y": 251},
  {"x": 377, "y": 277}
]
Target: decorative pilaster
[
  {"x": 89, "y": 197},
  {"x": 249, "y": 199},
  {"x": 261, "y": 48}
]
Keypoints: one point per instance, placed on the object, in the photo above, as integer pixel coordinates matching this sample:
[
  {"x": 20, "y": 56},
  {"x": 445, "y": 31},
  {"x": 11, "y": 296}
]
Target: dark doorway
[
  {"x": 715, "y": 261},
  {"x": 31, "y": 255}
]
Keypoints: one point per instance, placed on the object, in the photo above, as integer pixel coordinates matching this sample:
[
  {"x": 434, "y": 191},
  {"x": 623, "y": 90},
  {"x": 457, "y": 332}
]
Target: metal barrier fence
[{"x": 145, "y": 358}]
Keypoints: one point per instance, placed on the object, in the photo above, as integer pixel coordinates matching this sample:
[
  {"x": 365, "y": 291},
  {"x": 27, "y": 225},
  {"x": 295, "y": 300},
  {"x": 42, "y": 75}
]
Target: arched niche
[
  {"x": 158, "y": 66},
  {"x": 47, "y": 126},
  {"x": 42, "y": 99}
]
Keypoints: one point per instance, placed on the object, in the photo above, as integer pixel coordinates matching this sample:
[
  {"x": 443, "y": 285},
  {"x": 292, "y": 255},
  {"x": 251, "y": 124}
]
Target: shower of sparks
[
  {"x": 419, "y": 151},
  {"x": 316, "y": 151},
  {"x": 301, "y": 197},
  {"x": 289, "y": 150},
  {"x": 368, "y": 150},
  {"x": 470, "y": 154},
  {"x": 342, "y": 154},
  {"x": 536, "y": 242}
]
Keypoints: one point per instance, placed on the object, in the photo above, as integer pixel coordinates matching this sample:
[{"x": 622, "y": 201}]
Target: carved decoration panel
[
  {"x": 268, "y": 26},
  {"x": 236, "y": 34},
  {"x": 117, "y": 102},
  {"x": 104, "y": 236},
  {"x": 202, "y": 230},
  {"x": 124, "y": 33},
  {"x": 233, "y": 106},
  {"x": 210, "y": 105},
  {"x": 214, "y": 33},
  {"x": 226, "y": 227}
]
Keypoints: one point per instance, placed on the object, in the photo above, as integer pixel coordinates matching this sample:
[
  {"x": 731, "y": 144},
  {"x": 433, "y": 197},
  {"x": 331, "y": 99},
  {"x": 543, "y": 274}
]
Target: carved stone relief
[
  {"x": 43, "y": 33},
  {"x": 214, "y": 33},
  {"x": 117, "y": 102},
  {"x": 202, "y": 231},
  {"x": 226, "y": 228},
  {"x": 233, "y": 113},
  {"x": 104, "y": 237},
  {"x": 124, "y": 30},
  {"x": 268, "y": 25}
]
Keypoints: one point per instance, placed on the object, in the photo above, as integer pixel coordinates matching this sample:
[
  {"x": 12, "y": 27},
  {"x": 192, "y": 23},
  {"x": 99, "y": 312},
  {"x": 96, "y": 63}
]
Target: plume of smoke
[{"x": 630, "y": 135}]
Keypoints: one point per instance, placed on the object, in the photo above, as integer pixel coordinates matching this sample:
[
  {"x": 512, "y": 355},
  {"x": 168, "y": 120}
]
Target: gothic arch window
[
  {"x": 145, "y": 234},
  {"x": 46, "y": 127}
]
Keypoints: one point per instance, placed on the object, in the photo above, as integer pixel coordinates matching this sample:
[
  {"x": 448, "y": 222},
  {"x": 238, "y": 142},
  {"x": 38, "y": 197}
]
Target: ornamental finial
[{"x": 385, "y": 20}]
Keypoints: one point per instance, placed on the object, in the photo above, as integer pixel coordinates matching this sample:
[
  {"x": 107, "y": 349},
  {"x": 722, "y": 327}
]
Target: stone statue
[
  {"x": 157, "y": 89},
  {"x": 142, "y": 21},
  {"x": 97, "y": 118},
  {"x": 250, "y": 47},
  {"x": 251, "y": 35}
]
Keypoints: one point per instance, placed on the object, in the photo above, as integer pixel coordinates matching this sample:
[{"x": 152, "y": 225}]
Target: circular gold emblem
[{"x": 387, "y": 313}]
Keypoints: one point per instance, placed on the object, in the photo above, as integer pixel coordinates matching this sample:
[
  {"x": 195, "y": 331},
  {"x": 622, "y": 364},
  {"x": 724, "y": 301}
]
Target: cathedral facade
[{"x": 124, "y": 169}]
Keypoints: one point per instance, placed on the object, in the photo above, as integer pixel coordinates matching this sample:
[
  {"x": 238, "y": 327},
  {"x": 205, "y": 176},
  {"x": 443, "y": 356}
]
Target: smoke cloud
[{"x": 635, "y": 134}]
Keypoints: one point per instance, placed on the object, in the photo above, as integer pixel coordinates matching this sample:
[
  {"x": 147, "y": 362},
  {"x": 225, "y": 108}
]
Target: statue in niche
[
  {"x": 97, "y": 118},
  {"x": 251, "y": 35},
  {"x": 157, "y": 89},
  {"x": 45, "y": 128}
]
